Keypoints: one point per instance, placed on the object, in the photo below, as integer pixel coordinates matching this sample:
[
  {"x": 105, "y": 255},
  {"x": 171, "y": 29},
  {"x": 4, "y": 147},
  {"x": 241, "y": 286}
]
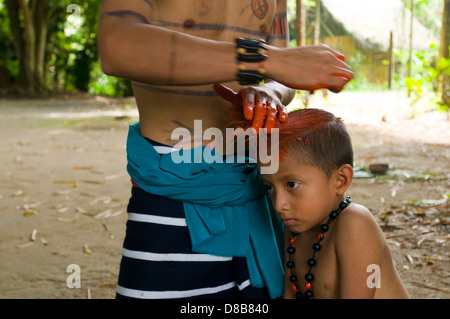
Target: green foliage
[
  {"x": 103, "y": 84},
  {"x": 76, "y": 43},
  {"x": 8, "y": 64},
  {"x": 428, "y": 12},
  {"x": 362, "y": 84},
  {"x": 442, "y": 71},
  {"x": 429, "y": 71},
  {"x": 83, "y": 71},
  {"x": 71, "y": 60}
]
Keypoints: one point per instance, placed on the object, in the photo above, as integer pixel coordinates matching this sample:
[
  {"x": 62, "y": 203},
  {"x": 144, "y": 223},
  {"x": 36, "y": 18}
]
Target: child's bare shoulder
[
  {"x": 357, "y": 222},
  {"x": 356, "y": 214}
]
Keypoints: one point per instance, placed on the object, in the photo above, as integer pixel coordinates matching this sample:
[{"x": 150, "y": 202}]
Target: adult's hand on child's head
[
  {"x": 259, "y": 104},
  {"x": 310, "y": 68}
]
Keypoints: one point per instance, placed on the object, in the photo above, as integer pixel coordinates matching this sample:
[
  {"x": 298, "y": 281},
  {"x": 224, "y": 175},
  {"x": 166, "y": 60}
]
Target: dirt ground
[{"x": 64, "y": 189}]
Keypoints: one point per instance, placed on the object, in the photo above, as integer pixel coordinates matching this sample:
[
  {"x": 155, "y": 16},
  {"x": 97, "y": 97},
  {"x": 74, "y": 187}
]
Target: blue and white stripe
[{"x": 158, "y": 262}]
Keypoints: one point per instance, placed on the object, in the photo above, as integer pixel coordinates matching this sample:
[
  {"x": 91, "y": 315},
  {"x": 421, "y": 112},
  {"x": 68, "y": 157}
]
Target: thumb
[{"x": 227, "y": 94}]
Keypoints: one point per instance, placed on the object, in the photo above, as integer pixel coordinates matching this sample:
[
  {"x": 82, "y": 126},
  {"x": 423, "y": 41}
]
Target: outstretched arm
[{"x": 132, "y": 48}]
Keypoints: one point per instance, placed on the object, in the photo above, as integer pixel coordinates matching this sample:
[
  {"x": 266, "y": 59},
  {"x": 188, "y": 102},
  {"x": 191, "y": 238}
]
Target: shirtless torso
[{"x": 165, "y": 108}]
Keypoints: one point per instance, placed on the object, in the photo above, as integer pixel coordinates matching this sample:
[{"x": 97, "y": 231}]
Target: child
[{"x": 334, "y": 248}]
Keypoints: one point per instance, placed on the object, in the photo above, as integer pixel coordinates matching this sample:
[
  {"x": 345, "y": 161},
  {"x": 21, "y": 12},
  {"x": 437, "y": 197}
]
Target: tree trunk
[
  {"x": 30, "y": 40},
  {"x": 445, "y": 31},
  {"x": 444, "y": 51},
  {"x": 13, "y": 11},
  {"x": 41, "y": 25}
]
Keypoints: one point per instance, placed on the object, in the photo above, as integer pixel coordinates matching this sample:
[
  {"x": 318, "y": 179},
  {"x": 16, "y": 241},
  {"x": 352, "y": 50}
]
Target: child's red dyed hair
[{"x": 313, "y": 136}]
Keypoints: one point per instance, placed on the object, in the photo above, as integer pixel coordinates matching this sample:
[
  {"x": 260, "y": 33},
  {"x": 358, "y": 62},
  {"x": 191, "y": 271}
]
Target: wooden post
[
  {"x": 410, "y": 43},
  {"x": 444, "y": 53},
  {"x": 391, "y": 59},
  {"x": 300, "y": 23},
  {"x": 317, "y": 23}
]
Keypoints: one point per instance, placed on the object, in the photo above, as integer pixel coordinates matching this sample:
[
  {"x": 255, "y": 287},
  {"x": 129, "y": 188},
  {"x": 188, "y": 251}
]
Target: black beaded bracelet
[{"x": 250, "y": 51}]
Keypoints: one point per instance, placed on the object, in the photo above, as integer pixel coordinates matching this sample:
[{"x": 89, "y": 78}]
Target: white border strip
[
  {"x": 157, "y": 219},
  {"x": 244, "y": 285},
  {"x": 142, "y": 294},
  {"x": 142, "y": 255}
]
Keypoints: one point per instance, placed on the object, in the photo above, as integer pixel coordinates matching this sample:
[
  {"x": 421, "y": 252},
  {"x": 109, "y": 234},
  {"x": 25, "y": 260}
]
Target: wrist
[
  {"x": 250, "y": 53},
  {"x": 268, "y": 64}
]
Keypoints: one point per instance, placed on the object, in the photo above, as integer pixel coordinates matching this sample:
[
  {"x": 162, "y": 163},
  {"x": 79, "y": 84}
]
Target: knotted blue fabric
[{"x": 227, "y": 208}]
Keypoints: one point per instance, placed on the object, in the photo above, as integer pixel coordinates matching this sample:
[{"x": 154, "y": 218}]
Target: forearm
[{"x": 153, "y": 55}]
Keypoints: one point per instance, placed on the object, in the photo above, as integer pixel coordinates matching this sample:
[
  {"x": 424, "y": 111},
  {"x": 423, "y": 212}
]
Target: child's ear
[{"x": 343, "y": 178}]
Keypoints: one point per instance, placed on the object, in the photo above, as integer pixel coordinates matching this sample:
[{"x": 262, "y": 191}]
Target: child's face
[{"x": 302, "y": 195}]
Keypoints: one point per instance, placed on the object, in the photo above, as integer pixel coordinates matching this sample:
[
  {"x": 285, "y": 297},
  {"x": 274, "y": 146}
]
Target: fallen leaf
[
  {"x": 108, "y": 214},
  {"x": 117, "y": 213},
  {"x": 33, "y": 234},
  {"x": 79, "y": 168},
  {"x": 111, "y": 177},
  {"x": 30, "y": 212},
  {"x": 102, "y": 199},
  {"x": 62, "y": 192},
  {"x": 104, "y": 214},
  {"x": 25, "y": 244},
  {"x": 19, "y": 192},
  {"x": 93, "y": 182},
  {"x": 81, "y": 210},
  {"x": 32, "y": 206},
  {"x": 410, "y": 259},
  {"x": 63, "y": 209},
  {"x": 420, "y": 284},
  {"x": 68, "y": 182},
  {"x": 86, "y": 249},
  {"x": 17, "y": 160}
]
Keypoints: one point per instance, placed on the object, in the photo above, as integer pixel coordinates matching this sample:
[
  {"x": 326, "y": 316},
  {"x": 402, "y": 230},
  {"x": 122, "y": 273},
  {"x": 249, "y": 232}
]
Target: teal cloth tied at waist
[{"x": 227, "y": 208}]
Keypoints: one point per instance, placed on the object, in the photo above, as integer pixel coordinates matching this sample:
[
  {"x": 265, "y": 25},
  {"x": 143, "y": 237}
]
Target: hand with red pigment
[
  {"x": 308, "y": 68},
  {"x": 259, "y": 104}
]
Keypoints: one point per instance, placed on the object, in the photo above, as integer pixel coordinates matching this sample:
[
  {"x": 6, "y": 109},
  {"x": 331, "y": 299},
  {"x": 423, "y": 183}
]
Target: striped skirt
[{"x": 158, "y": 262}]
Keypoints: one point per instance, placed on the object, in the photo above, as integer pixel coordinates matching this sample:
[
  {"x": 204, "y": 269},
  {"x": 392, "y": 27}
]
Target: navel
[{"x": 189, "y": 24}]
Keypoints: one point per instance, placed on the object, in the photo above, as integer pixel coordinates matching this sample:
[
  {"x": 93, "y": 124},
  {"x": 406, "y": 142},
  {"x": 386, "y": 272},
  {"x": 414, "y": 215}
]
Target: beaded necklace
[{"x": 309, "y": 277}]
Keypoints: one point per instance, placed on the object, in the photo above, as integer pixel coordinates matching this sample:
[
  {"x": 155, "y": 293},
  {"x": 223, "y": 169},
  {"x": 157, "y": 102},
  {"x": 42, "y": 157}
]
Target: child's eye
[
  {"x": 268, "y": 187},
  {"x": 293, "y": 185}
]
